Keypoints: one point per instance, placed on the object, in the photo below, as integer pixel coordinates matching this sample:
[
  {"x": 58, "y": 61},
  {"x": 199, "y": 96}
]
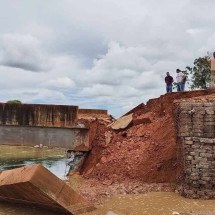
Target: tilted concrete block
[{"x": 36, "y": 185}]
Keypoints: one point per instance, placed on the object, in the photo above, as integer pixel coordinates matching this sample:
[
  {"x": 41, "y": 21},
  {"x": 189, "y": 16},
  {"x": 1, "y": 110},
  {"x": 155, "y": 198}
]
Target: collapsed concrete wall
[
  {"x": 195, "y": 124},
  {"x": 35, "y": 124},
  {"x": 38, "y": 115}
]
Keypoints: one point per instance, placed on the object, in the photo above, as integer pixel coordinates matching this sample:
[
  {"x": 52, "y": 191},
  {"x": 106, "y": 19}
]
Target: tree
[
  {"x": 200, "y": 73},
  {"x": 14, "y": 101}
]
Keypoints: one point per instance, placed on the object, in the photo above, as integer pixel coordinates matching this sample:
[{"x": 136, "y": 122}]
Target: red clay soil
[{"x": 145, "y": 151}]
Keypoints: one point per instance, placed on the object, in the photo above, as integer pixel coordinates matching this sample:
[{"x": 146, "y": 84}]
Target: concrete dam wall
[
  {"x": 69, "y": 138},
  {"x": 49, "y": 125}
]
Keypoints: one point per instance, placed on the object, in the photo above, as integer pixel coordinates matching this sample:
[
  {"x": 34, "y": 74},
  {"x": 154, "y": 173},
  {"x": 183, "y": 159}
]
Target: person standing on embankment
[
  {"x": 169, "y": 80},
  {"x": 180, "y": 80}
]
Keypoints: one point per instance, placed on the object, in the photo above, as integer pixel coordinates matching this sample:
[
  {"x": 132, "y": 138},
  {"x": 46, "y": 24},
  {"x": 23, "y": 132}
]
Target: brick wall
[{"x": 195, "y": 124}]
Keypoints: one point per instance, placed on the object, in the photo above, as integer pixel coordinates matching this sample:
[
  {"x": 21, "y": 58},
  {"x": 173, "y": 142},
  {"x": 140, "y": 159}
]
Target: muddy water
[
  {"x": 148, "y": 204},
  {"x": 160, "y": 203}
]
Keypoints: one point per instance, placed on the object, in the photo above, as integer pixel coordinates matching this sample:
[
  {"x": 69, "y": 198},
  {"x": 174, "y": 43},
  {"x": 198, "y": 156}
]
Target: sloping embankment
[{"x": 145, "y": 151}]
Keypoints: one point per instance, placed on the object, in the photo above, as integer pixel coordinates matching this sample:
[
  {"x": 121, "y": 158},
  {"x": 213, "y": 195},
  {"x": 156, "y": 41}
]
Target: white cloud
[
  {"x": 24, "y": 52},
  {"x": 61, "y": 82},
  {"x": 104, "y": 54}
]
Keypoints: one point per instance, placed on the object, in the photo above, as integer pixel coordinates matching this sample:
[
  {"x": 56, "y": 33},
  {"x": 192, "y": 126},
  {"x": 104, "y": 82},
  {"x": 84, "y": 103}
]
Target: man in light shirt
[
  {"x": 180, "y": 80},
  {"x": 213, "y": 71}
]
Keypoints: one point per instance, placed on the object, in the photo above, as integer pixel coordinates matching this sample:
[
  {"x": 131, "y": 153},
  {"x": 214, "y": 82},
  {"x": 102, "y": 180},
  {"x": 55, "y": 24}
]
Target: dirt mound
[{"x": 145, "y": 151}]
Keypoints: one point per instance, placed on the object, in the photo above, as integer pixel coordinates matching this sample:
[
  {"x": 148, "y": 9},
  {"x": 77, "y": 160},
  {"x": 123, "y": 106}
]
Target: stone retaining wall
[{"x": 195, "y": 123}]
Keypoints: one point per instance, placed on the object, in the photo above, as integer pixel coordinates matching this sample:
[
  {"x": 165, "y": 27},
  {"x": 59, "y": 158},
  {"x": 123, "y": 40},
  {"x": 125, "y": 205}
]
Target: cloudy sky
[{"x": 98, "y": 53}]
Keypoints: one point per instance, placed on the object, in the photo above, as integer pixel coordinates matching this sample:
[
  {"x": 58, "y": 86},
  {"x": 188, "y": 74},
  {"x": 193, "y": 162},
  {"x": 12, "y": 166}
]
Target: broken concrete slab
[
  {"x": 122, "y": 122},
  {"x": 36, "y": 185}
]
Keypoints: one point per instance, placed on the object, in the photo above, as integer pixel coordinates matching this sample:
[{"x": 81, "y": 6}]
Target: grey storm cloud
[
  {"x": 23, "y": 52},
  {"x": 98, "y": 53}
]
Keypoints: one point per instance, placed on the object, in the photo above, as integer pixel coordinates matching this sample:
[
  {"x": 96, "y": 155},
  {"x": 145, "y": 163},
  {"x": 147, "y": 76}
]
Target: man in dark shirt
[{"x": 169, "y": 80}]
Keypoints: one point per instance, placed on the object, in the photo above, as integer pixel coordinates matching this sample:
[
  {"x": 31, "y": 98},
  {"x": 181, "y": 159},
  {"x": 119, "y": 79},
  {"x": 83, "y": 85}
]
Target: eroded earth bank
[{"x": 136, "y": 154}]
